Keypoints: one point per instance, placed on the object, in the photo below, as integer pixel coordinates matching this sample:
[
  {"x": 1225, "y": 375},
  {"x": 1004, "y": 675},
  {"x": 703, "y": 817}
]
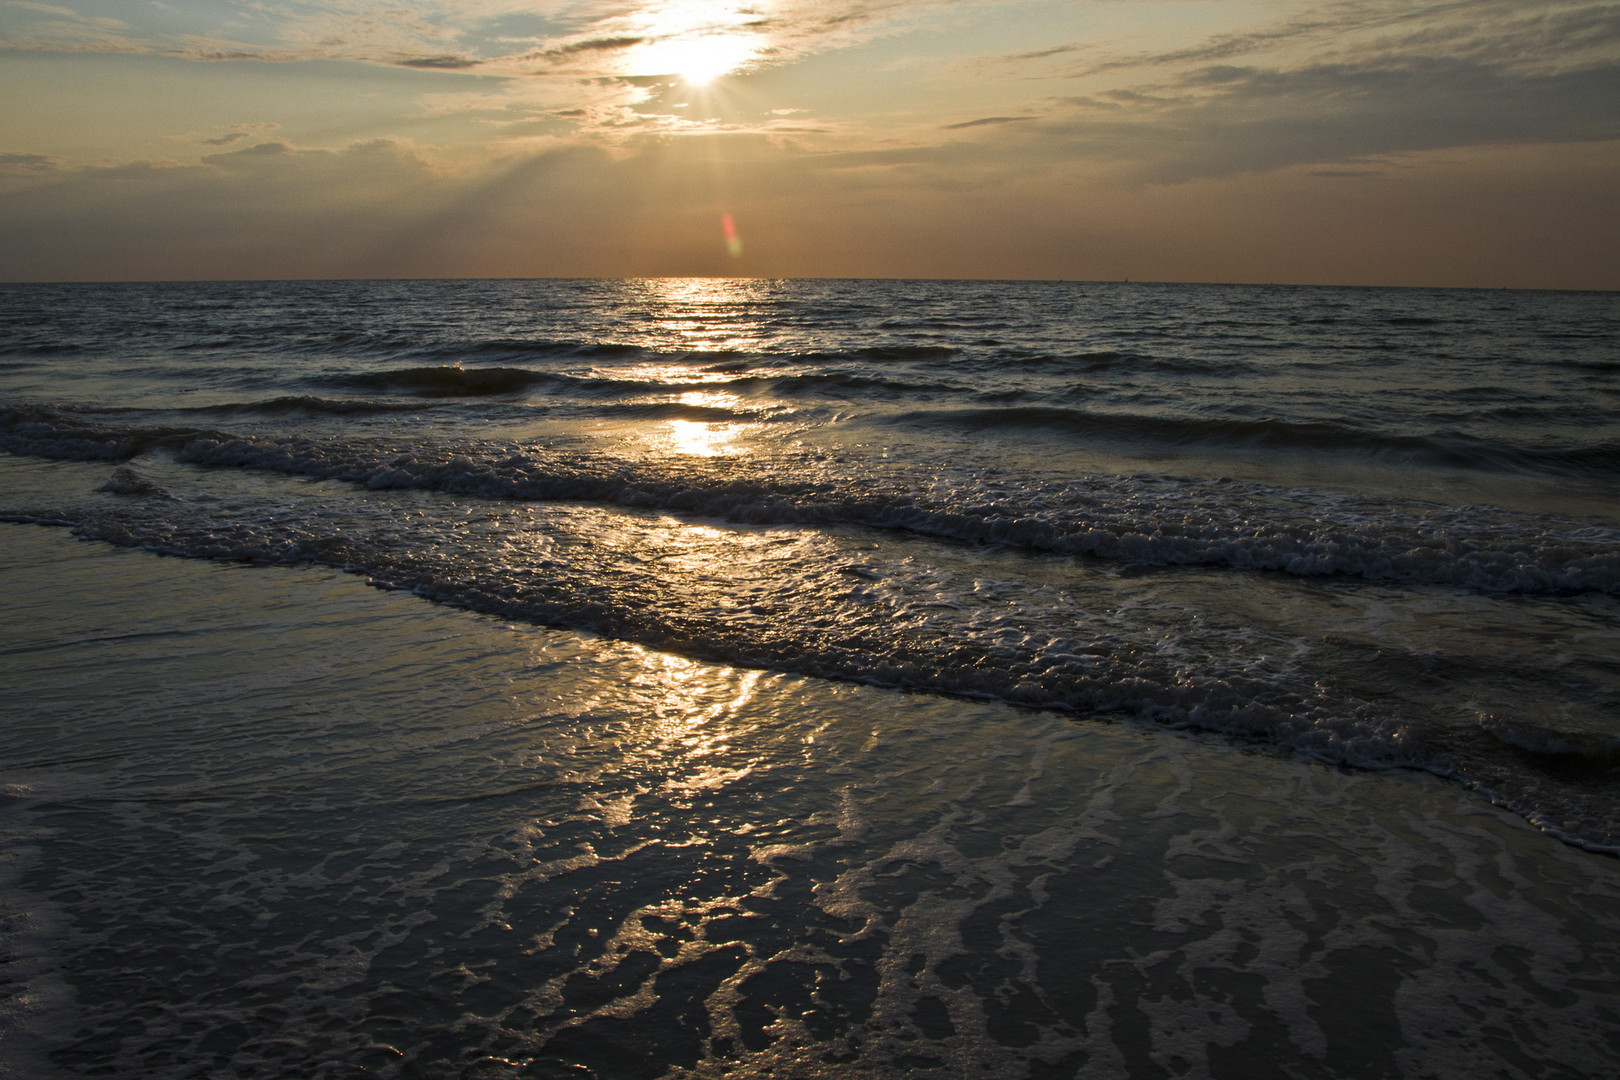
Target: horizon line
[{"x": 357, "y": 279}]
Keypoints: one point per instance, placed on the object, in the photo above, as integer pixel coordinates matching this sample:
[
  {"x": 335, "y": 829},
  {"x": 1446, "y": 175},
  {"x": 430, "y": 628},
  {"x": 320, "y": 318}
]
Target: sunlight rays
[
  {"x": 697, "y": 42},
  {"x": 698, "y": 59}
]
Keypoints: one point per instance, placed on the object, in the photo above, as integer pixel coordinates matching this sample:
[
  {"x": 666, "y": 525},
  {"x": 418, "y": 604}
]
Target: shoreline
[{"x": 281, "y": 821}]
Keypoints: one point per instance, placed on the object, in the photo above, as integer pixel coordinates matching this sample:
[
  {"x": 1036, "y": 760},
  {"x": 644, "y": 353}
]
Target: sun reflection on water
[
  {"x": 704, "y": 315},
  {"x": 695, "y": 724},
  {"x": 706, "y": 334},
  {"x": 700, "y": 438}
]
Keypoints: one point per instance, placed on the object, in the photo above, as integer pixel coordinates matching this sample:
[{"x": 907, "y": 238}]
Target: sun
[
  {"x": 700, "y": 58},
  {"x": 697, "y": 41}
]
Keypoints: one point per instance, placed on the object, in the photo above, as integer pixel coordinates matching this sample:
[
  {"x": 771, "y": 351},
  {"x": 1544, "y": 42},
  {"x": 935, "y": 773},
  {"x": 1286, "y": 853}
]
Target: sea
[{"x": 733, "y": 677}]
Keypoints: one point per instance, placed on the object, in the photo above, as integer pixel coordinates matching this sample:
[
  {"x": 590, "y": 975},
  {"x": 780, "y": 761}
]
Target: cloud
[
  {"x": 1044, "y": 54},
  {"x": 654, "y": 207},
  {"x": 986, "y": 121},
  {"x": 238, "y": 132},
  {"x": 1536, "y": 32},
  {"x": 1339, "y": 83},
  {"x": 568, "y": 151},
  {"x": 47, "y": 9},
  {"x": 276, "y": 209},
  {"x": 439, "y": 63},
  {"x": 54, "y": 28},
  {"x": 601, "y": 68},
  {"x": 61, "y": 14},
  {"x": 29, "y": 164},
  {"x": 289, "y": 210},
  {"x": 1267, "y": 119},
  {"x": 413, "y": 33},
  {"x": 591, "y": 45},
  {"x": 272, "y": 148}
]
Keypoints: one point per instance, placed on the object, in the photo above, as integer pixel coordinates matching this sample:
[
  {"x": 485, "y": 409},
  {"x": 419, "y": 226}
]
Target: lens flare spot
[{"x": 733, "y": 241}]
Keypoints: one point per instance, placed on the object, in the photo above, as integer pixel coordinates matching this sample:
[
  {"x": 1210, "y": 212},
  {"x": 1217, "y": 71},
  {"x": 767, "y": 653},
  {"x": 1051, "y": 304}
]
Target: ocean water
[{"x": 850, "y": 678}]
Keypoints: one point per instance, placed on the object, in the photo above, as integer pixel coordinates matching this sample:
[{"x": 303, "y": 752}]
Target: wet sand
[{"x": 271, "y": 822}]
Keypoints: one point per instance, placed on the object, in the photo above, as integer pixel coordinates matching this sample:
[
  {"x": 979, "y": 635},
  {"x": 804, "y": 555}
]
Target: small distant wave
[
  {"x": 1601, "y": 460},
  {"x": 837, "y": 383},
  {"x": 1566, "y": 748},
  {"x": 203, "y": 305},
  {"x": 880, "y": 353},
  {"x": 677, "y": 410},
  {"x": 936, "y": 325},
  {"x": 125, "y": 481},
  {"x": 523, "y": 351},
  {"x": 1454, "y": 450},
  {"x": 1124, "y": 362},
  {"x": 303, "y": 403},
  {"x": 1148, "y": 363},
  {"x": 1102, "y": 360},
  {"x": 1095, "y": 360},
  {"x": 43, "y": 348},
  {"x": 442, "y": 381},
  {"x": 41, "y": 432},
  {"x": 215, "y": 343},
  {"x": 454, "y": 382},
  {"x": 520, "y": 348},
  {"x": 1591, "y": 364}
]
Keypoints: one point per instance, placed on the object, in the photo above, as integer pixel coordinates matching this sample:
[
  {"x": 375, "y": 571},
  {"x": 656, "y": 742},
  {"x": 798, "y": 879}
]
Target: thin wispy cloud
[
  {"x": 29, "y": 164},
  {"x": 987, "y": 121}
]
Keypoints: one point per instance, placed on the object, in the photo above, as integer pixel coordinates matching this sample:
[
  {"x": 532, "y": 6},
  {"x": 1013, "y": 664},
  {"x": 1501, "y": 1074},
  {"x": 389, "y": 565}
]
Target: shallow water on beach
[
  {"x": 263, "y": 822},
  {"x": 809, "y": 678}
]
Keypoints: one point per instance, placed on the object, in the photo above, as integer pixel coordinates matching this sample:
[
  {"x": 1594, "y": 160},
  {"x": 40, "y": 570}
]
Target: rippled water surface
[
  {"x": 966, "y": 526},
  {"x": 1376, "y": 526}
]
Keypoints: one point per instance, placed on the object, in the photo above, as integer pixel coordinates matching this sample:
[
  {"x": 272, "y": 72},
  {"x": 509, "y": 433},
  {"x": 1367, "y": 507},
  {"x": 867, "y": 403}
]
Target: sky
[{"x": 1378, "y": 142}]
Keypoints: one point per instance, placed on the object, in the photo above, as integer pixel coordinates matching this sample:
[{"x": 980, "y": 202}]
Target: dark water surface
[{"x": 1258, "y": 527}]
